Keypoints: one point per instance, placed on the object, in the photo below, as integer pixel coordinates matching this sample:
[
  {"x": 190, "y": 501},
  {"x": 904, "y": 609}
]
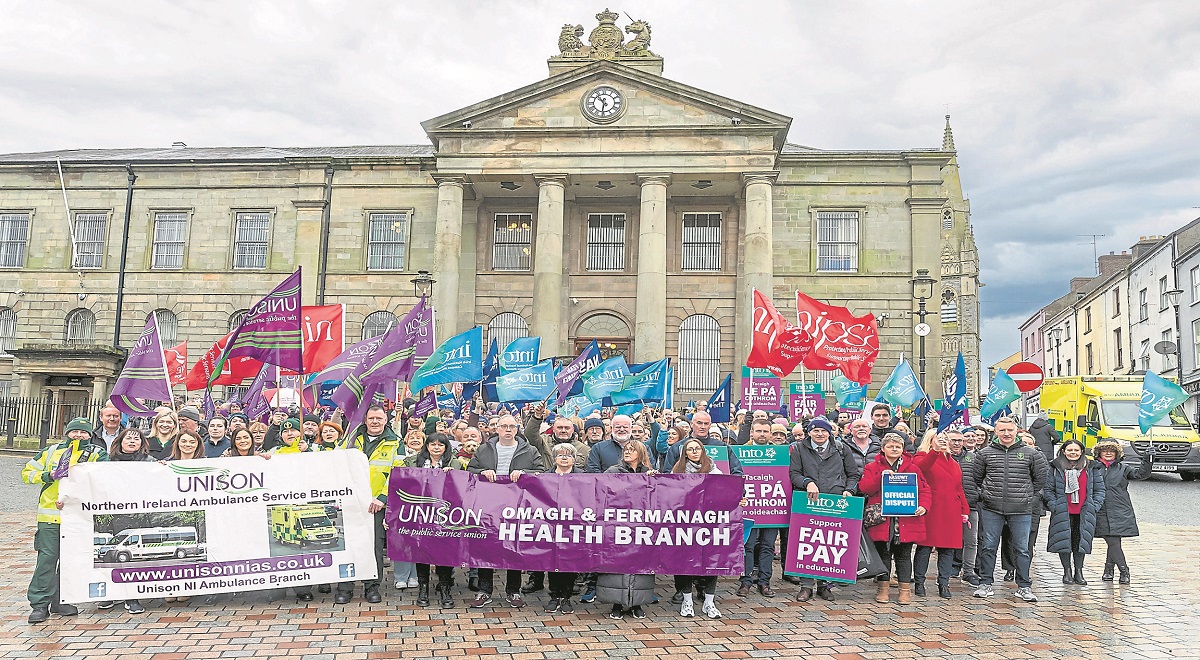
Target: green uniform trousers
[{"x": 43, "y": 586}]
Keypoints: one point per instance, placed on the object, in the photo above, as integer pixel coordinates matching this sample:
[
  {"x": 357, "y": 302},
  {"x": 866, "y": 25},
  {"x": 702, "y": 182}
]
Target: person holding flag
[{"x": 378, "y": 441}]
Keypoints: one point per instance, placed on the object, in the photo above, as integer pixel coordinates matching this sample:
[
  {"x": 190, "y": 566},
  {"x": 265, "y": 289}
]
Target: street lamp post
[
  {"x": 1055, "y": 334},
  {"x": 922, "y": 287},
  {"x": 1173, "y": 300},
  {"x": 423, "y": 284}
]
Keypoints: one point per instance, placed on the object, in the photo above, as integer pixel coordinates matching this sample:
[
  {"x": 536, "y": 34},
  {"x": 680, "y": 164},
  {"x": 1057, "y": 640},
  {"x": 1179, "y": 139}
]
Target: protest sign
[
  {"x": 768, "y": 488},
  {"x": 823, "y": 538},
  {"x": 720, "y": 456},
  {"x": 148, "y": 530},
  {"x": 673, "y": 524},
  {"x": 899, "y": 494}
]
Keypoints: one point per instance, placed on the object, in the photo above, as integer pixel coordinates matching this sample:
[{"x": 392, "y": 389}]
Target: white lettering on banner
[
  {"x": 272, "y": 305},
  {"x": 315, "y": 332}
]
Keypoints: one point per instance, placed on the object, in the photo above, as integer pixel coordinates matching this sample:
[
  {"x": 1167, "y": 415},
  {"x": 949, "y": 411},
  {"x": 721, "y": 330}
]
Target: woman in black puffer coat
[
  {"x": 1074, "y": 493},
  {"x": 1115, "y": 519}
]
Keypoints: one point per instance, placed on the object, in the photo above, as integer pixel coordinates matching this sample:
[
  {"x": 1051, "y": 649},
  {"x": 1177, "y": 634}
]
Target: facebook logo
[
  {"x": 97, "y": 589},
  {"x": 346, "y": 570}
]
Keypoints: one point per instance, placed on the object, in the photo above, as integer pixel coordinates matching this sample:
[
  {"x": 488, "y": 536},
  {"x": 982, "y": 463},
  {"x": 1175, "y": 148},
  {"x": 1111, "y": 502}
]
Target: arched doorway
[{"x": 610, "y": 332}]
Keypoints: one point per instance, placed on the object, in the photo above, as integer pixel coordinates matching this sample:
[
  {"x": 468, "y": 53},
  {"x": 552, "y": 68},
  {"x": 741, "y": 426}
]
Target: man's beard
[{"x": 624, "y": 440}]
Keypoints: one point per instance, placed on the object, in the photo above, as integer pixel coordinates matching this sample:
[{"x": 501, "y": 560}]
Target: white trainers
[
  {"x": 686, "y": 609},
  {"x": 414, "y": 583},
  {"x": 711, "y": 611},
  {"x": 401, "y": 584},
  {"x": 1026, "y": 594},
  {"x": 984, "y": 591}
]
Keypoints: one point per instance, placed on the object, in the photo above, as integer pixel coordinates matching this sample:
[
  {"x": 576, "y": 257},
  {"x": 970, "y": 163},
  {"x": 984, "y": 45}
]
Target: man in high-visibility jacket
[
  {"x": 47, "y": 468},
  {"x": 377, "y": 440}
]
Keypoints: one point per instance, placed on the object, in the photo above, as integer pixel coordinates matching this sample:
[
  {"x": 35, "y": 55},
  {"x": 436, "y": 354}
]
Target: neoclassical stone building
[{"x": 605, "y": 201}]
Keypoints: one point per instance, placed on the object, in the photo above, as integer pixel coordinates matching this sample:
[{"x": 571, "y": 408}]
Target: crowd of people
[{"x": 982, "y": 491}]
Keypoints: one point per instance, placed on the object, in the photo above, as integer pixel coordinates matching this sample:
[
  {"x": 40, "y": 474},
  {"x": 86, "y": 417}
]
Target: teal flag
[
  {"x": 458, "y": 360},
  {"x": 847, "y": 391},
  {"x": 648, "y": 385},
  {"x": 1159, "y": 397},
  {"x": 532, "y": 384},
  {"x": 1003, "y": 392},
  {"x": 901, "y": 388},
  {"x": 605, "y": 378}
]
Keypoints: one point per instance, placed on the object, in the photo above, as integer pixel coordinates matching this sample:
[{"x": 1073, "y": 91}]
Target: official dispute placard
[{"x": 151, "y": 530}]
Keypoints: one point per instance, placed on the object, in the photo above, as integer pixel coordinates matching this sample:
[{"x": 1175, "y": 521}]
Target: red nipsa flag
[
  {"x": 776, "y": 345},
  {"x": 841, "y": 340}
]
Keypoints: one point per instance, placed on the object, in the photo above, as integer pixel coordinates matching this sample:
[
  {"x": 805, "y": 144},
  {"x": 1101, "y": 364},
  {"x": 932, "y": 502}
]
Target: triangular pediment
[{"x": 650, "y": 103}]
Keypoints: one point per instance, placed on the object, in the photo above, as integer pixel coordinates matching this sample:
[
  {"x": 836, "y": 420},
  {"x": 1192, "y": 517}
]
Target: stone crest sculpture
[{"x": 606, "y": 41}]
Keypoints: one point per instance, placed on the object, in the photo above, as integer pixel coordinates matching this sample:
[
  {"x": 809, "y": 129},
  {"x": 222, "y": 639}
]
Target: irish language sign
[
  {"x": 147, "y": 530},
  {"x": 899, "y": 494},
  {"x": 677, "y": 524},
  {"x": 823, "y": 537},
  {"x": 768, "y": 488}
]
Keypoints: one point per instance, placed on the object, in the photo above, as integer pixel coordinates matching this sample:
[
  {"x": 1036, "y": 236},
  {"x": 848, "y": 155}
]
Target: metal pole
[
  {"x": 921, "y": 358},
  {"x": 124, "y": 253}
]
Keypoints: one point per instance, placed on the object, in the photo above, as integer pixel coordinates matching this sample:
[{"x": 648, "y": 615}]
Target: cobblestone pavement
[{"x": 1152, "y": 618}]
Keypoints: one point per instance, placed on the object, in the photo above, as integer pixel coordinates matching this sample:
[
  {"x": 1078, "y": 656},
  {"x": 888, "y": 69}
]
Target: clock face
[{"x": 603, "y": 104}]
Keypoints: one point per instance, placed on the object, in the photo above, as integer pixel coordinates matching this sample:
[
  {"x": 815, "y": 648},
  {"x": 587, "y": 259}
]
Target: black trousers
[
  {"x": 561, "y": 584},
  {"x": 945, "y": 564},
  {"x": 512, "y": 582},
  {"x": 445, "y": 574},
  {"x": 900, "y": 554},
  {"x": 380, "y": 549},
  {"x": 704, "y": 584}
]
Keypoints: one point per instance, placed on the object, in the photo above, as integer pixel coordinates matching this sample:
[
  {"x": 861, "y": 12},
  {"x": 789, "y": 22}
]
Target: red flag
[
  {"x": 324, "y": 335},
  {"x": 176, "y": 360},
  {"x": 841, "y": 340},
  {"x": 233, "y": 372},
  {"x": 776, "y": 344}
]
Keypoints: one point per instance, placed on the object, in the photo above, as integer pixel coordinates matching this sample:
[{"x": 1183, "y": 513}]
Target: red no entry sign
[{"x": 1027, "y": 375}]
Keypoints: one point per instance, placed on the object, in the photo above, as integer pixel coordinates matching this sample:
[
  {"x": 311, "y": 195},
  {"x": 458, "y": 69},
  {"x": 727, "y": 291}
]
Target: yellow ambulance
[
  {"x": 1092, "y": 408},
  {"x": 303, "y": 525}
]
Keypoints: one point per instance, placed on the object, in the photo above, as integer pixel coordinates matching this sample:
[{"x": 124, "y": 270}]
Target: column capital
[
  {"x": 759, "y": 177},
  {"x": 662, "y": 179},
  {"x": 459, "y": 180},
  {"x": 550, "y": 180}
]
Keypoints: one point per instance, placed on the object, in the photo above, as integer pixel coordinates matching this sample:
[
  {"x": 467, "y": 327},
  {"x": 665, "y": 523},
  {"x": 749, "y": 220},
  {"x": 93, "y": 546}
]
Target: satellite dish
[{"x": 1166, "y": 348}]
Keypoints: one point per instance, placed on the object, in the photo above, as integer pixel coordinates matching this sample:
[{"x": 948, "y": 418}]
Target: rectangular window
[
  {"x": 252, "y": 229},
  {"x": 1087, "y": 320},
  {"x": 1196, "y": 284},
  {"x": 1143, "y": 311},
  {"x": 1066, "y": 330},
  {"x": 1116, "y": 302},
  {"x": 170, "y": 232},
  {"x": 386, "y": 237},
  {"x": 89, "y": 239},
  {"x": 1162, "y": 293},
  {"x": 1145, "y": 354},
  {"x": 837, "y": 241},
  {"x": 701, "y": 242},
  {"x": 1091, "y": 365},
  {"x": 1196, "y": 341},
  {"x": 1120, "y": 348},
  {"x": 512, "y": 241},
  {"x": 1069, "y": 372},
  {"x": 14, "y": 234},
  {"x": 606, "y": 241}
]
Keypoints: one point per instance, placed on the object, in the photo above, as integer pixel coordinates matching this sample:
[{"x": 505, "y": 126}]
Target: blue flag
[
  {"x": 847, "y": 391},
  {"x": 578, "y": 406},
  {"x": 491, "y": 370},
  {"x": 605, "y": 378},
  {"x": 901, "y": 388},
  {"x": 955, "y": 401},
  {"x": 1159, "y": 398},
  {"x": 669, "y": 401},
  {"x": 520, "y": 354},
  {"x": 1002, "y": 392},
  {"x": 718, "y": 403},
  {"x": 1003, "y": 412},
  {"x": 532, "y": 384},
  {"x": 646, "y": 386},
  {"x": 457, "y": 360}
]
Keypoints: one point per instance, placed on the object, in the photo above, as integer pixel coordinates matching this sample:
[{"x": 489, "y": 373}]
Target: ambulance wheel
[
  {"x": 122, "y": 557},
  {"x": 179, "y": 553}
]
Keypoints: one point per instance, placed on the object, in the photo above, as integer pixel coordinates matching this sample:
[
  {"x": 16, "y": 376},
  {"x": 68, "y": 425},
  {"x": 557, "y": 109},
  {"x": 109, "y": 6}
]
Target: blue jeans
[
  {"x": 991, "y": 527},
  {"x": 760, "y": 554}
]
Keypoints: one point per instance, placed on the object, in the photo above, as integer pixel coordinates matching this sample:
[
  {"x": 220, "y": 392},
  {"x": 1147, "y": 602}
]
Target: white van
[{"x": 152, "y": 542}]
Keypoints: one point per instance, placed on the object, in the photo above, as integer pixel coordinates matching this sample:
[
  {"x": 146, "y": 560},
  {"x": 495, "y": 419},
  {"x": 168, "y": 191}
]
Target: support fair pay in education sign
[{"x": 823, "y": 539}]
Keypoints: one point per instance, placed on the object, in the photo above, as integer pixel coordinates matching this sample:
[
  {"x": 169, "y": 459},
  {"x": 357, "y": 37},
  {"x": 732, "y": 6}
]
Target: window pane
[
  {"x": 699, "y": 354},
  {"x": 81, "y": 327},
  {"x": 89, "y": 239},
  {"x": 170, "y": 230},
  {"x": 504, "y": 328},
  {"x": 837, "y": 241},
  {"x": 606, "y": 242},
  {"x": 8, "y": 329},
  {"x": 701, "y": 242},
  {"x": 168, "y": 327},
  {"x": 14, "y": 232},
  {"x": 511, "y": 241},
  {"x": 251, "y": 234},
  {"x": 377, "y": 323},
  {"x": 386, "y": 235}
]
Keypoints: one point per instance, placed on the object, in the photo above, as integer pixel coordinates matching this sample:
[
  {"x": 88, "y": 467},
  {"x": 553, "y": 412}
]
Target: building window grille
[
  {"x": 235, "y": 319},
  {"x": 81, "y": 327},
  {"x": 252, "y": 231},
  {"x": 387, "y": 234},
  {"x": 89, "y": 240},
  {"x": 511, "y": 241},
  {"x": 8, "y": 329},
  {"x": 170, "y": 234},
  {"x": 14, "y": 234},
  {"x": 837, "y": 241},
  {"x": 378, "y": 323},
  {"x": 606, "y": 242},
  {"x": 699, "y": 354},
  {"x": 504, "y": 328},
  {"x": 168, "y": 327},
  {"x": 701, "y": 242}
]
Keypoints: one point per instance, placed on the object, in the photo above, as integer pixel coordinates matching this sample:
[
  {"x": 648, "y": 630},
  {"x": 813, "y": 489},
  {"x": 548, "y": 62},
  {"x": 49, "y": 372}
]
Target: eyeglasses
[{"x": 507, "y": 426}]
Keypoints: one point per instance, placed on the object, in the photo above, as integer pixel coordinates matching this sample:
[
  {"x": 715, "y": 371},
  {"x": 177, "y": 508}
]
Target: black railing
[{"x": 42, "y": 418}]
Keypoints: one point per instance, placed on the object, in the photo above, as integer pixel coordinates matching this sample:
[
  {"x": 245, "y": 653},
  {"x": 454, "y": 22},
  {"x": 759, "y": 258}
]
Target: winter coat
[
  {"x": 966, "y": 460},
  {"x": 1045, "y": 437},
  {"x": 833, "y": 474},
  {"x": 604, "y": 454},
  {"x": 625, "y": 590},
  {"x": 912, "y": 528},
  {"x": 525, "y": 458},
  {"x": 947, "y": 502},
  {"x": 713, "y": 440},
  {"x": 1058, "y": 539},
  {"x": 862, "y": 458},
  {"x": 1116, "y": 517},
  {"x": 1010, "y": 479}
]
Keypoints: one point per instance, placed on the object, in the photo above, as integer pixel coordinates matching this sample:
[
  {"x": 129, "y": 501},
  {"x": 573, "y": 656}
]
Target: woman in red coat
[
  {"x": 895, "y": 537},
  {"x": 948, "y": 511}
]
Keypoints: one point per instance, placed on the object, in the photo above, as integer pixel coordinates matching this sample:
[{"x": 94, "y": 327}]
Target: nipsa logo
[
  {"x": 205, "y": 479},
  {"x": 421, "y": 509}
]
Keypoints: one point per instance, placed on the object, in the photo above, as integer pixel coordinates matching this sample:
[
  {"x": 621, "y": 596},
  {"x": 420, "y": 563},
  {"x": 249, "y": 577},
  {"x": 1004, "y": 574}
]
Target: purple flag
[
  {"x": 270, "y": 331},
  {"x": 257, "y": 407},
  {"x": 144, "y": 375},
  {"x": 340, "y": 368},
  {"x": 207, "y": 406},
  {"x": 426, "y": 405},
  {"x": 671, "y": 524},
  {"x": 566, "y": 377}
]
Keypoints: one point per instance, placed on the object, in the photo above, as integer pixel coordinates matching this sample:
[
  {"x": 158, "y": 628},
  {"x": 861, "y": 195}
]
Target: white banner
[{"x": 148, "y": 530}]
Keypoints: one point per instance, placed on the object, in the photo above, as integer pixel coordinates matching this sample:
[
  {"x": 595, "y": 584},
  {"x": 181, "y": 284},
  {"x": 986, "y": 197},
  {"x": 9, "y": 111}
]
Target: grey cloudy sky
[{"x": 1069, "y": 117}]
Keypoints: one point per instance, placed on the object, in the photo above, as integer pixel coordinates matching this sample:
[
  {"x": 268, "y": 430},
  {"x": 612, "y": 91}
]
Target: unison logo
[
  {"x": 205, "y": 479},
  {"x": 421, "y": 509}
]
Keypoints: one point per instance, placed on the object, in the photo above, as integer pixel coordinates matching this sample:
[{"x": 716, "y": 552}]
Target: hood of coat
[{"x": 1108, "y": 444}]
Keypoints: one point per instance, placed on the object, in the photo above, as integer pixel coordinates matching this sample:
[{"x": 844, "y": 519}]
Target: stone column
[
  {"x": 650, "y": 326},
  {"x": 757, "y": 260},
  {"x": 446, "y": 251},
  {"x": 548, "y": 280}
]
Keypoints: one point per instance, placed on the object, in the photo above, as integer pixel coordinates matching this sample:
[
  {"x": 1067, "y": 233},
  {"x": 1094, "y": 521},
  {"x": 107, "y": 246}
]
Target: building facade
[{"x": 603, "y": 202}]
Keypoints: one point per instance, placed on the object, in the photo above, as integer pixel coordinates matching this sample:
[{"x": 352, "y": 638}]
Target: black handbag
[
  {"x": 870, "y": 566},
  {"x": 873, "y": 515}
]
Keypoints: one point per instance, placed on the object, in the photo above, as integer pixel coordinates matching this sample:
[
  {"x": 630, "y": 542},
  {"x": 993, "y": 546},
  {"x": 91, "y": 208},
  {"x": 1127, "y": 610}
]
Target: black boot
[
  {"x": 1124, "y": 579},
  {"x": 1078, "y": 579},
  {"x": 1107, "y": 575},
  {"x": 535, "y": 583},
  {"x": 444, "y": 597},
  {"x": 423, "y": 593},
  {"x": 1065, "y": 559},
  {"x": 919, "y": 586}
]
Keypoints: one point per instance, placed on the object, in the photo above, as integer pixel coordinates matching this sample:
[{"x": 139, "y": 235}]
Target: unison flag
[
  {"x": 776, "y": 345},
  {"x": 901, "y": 388},
  {"x": 955, "y": 396},
  {"x": 718, "y": 403},
  {"x": 270, "y": 331},
  {"x": 533, "y": 384},
  {"x": 426, "y": 405},
  {"x": 647, "y": 385},
  {"x": 566, "y": 377},
  {"x": 345, "y": 364},
  {"x": 457, "y": 360},
  {"x": 254, "y": 401},
  {"x": 391, "y": 361},
  {"x": 840, "y": 339},
  {"x": 144, "y": 375},
  {"x": 1002, "y": 392},
  {"x": 605, "y": 378},
  {"x": 1159, "y": 398},
  {"x": 521, "y": 353}
]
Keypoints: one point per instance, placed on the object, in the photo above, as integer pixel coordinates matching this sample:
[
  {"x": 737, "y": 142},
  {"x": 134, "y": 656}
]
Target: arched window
[
  {"x": 699, "y": 354},
  {"x": 505, "y": 327},
  {"x": 377, "y": 323},
  {"x": 168, "y": 327},
  {"x": 81, "y": 327},
  {"x": 949, "y": 307},
  {"x": 8, "y": 329},
  {"x": 610, "y": 332},
  {"x": 235, "y": 319},
  {"x": 947, "y": 220}
]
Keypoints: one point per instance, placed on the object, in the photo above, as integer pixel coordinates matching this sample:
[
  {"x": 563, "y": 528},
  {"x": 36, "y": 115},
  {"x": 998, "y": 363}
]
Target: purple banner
[
  {"x": 823, "y": 539},
  {"x": 674, "y": 524},
  {"x": 806, "y": 405}
]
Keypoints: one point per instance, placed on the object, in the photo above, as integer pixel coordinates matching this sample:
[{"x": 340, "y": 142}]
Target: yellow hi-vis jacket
[
  {"x": 38, "y": 469},
  {"x": 382, "y": 455}
]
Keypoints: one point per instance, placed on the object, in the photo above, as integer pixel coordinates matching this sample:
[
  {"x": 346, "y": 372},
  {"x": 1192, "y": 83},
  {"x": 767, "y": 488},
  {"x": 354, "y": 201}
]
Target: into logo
[
  {"x": 97, "y": 590},
  {"x": 345, "y": 571}
]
